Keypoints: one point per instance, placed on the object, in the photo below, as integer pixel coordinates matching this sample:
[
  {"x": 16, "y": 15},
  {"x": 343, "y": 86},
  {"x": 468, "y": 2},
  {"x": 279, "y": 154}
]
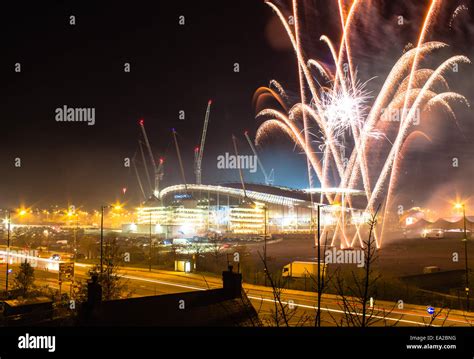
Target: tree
[
  {"x": 357, "y": 295},
  {"x": 87, "y": 245},
  {"x": 216, "y": 247},
  {"x": 22, "y": 237},
  {"x": 113, "y": 284},
  {"x": 283, "y": 314},
  {"x": 321, "y": 283},
  {"x": 196, "y": 249},
  {"x": 24, "y": 279}
]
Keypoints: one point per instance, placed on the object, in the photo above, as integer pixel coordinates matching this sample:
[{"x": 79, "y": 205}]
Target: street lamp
[
  {"x": 21, "y": 213},
  {"x": 318, "y": 313},
  {"x": 463, "y": 207},
  {"x": 73, "y": 214},
  {"x": 102, "y": 237},
  {"x": 149, "y": 251},
  {"x": 75, "y": 235},
  {"x": 8, "y": 249},
  {"x": 265, "y": 239},
  {"x": 256, "y": 206},
  {"x": 264, "y": 232}
]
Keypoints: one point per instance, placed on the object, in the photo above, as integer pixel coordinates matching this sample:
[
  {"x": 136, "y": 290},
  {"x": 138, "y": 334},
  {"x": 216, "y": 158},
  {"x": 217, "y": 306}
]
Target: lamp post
[
  {"x": 465, "y": 257},
  {"x": 75, "y": 237},
  {"x": 265, "y": 209},
  {"x": 265, "y": 233},
  {"x": 265, "y": 239},
  {"x": 8, "y": 249},
  {"x": 463, "y": 207},
  {"x": 21, "y": 213},
  {"x": 74, "y": 218},
  {"x": 149, "y": 254},
  {"x": 318, "y": 312},
  {"x": 102, "y": 237}
]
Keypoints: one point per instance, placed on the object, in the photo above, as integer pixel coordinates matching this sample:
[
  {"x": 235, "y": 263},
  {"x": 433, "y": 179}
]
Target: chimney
[
  {"x": 232, "y": 283},
  {"x": 94, "y": 291}
]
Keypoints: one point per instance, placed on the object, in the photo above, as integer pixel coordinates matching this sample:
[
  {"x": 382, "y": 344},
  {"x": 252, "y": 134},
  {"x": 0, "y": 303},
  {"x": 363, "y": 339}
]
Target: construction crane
[
  {"x": 145, "y": 165},
  {"x": 178, "y": 152},
  {"x": 234, "y": 140},
  {"x": 161, "y": 170},
  {"x": 157, "y": 170},
  {"x": 269, "y": 178},
  {"x": 199, "y": 151},
  {"x": 196, "y": 159},
  {"x": 138, "y": 176}
]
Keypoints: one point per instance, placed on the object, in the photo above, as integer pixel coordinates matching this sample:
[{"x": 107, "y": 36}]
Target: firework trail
[
  {"x": 337, "y": 121},
  {"x": 456, "y": 13}
]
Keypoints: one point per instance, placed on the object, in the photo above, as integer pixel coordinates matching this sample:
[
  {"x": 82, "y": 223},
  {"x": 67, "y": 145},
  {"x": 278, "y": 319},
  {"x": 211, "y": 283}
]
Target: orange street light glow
[{"x": 459, "y": 205}]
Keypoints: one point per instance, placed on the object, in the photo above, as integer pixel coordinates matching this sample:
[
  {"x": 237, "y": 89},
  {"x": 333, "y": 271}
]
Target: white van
[{"x": 432, "y": 233}]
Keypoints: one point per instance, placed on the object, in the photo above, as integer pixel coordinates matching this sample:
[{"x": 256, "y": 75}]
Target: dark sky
[{"x": 173, "y": 68}]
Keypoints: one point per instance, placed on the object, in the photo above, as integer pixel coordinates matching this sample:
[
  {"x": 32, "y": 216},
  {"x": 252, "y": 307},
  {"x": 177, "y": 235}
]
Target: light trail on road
[
  {"x": 338, "y": 311},
  {"x": 261, "y": 298},
  {"x": 156, "y": 281}
]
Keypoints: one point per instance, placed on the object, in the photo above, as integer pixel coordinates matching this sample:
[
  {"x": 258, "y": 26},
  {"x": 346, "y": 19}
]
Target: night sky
[{"x": 173, "y": 68}]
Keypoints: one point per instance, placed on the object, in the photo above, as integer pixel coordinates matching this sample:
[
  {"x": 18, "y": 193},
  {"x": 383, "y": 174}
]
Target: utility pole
[
  {"x": 8, "y": 250},
  {"x": 149, "y": 255},
  {"x": 75, "y": 237},
  {"x": 265, "y": 239},
  {"x": 318, "y": 312},
  {"x": 102, "y": 238},
  {"x": 465, "y": 256},
  {"x": 463, "y": 207}
]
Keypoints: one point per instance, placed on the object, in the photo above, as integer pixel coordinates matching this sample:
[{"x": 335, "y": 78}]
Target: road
[{"x": 299, "y": 306}]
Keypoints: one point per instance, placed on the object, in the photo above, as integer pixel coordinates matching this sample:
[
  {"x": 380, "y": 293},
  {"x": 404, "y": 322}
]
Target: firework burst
[{"x": 336, "y": 111}]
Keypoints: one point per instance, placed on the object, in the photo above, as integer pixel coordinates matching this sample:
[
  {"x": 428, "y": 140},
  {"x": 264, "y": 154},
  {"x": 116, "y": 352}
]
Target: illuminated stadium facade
[{"x": 190, "y": 210}]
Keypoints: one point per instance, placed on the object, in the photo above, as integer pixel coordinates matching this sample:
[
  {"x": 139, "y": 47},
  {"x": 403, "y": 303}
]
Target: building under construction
[{"x": 197, "y": 209}]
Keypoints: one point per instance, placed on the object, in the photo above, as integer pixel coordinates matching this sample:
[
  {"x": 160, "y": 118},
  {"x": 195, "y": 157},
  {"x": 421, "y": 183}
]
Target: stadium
[{"x": 233, "y": 209}]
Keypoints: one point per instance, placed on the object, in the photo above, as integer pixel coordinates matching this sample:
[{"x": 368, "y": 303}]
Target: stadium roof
[
  {"x": 256, "y": 192},
  {"x": 273, "y": 197}
]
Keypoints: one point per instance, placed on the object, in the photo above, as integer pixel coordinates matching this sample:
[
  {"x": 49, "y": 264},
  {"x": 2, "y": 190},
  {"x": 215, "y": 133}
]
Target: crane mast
[
  {"x": 161, "y": 168},
  {"x": 269, "y": 178},
  {"x": 138, "y": 177},
  {"x": 145, "y": 165},
  {"x": 159, "y": 176},
  {"x": 157, "y": 171},
  {"x": 234, "y": 140},
  {"x": 199, "y": 151},
  {"x": 178, "y": 152},
  {"x": 196, "y": 159}
]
